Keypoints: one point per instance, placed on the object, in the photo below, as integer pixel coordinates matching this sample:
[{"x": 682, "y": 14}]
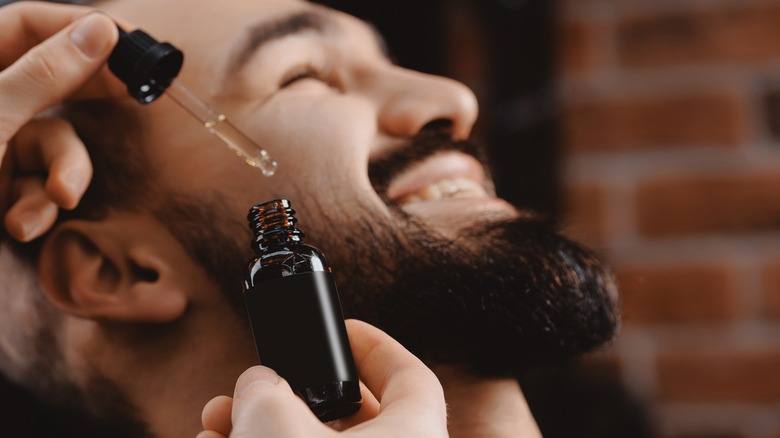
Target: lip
[{"x": 441, "y": 166}]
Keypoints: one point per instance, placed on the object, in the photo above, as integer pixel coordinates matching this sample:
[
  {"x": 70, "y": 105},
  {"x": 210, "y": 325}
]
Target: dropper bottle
[
  {"x": 295, "y": 313},
  {"x": 149, "y": 67}
]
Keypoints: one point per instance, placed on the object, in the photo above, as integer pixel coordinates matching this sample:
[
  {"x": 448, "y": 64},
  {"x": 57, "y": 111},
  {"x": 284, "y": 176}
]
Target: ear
[{"x": 117, "y": 269}]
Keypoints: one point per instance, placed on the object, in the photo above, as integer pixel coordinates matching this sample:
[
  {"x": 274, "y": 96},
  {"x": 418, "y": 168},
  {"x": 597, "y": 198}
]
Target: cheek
[{"x": 320, "y": 142}]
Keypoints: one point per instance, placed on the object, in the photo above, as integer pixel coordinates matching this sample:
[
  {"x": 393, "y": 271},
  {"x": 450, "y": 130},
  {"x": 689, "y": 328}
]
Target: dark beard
[
  {"x": 516, "y": 296},
  {"x": 49, "y": 405},
  {"x": 502, "y": 297}
]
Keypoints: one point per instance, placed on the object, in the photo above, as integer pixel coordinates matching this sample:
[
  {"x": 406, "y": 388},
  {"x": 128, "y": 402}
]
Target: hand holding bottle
[
  {"x": 49, "y": 53},
  {"x": 401, "y": 397}
]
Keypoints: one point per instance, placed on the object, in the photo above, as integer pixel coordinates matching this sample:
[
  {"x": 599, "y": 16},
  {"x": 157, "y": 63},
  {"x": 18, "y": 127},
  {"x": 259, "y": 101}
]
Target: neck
[
  {"x": 169, "y": 378},
  {"x": 484, "y": 406}
]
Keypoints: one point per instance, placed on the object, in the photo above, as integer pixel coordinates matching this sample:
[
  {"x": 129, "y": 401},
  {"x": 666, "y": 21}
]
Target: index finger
[
  {"x": 24, "y": 25},
  {"x": 405, "y": 387},
  {"x": 54, "y": 69}
]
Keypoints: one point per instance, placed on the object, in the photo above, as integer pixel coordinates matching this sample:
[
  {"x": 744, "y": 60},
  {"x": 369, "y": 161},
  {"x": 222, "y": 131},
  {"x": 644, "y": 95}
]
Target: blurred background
[{"x": 650, "y": 129}]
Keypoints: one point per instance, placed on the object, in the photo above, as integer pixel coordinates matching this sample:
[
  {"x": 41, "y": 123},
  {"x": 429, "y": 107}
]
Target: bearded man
[{"x": 124, "y": 310}]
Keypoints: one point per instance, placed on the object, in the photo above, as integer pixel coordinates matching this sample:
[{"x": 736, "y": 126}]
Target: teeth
[{"x": 446, "y": 188}]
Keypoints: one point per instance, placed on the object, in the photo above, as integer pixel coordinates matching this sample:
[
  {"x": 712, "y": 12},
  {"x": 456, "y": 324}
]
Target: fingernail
[
  {"x": 74, "y": 179},
  {"x": 30, "y": 226},
  {"x": 257, "y": 376},
  {"x": 90, "y": 35}
]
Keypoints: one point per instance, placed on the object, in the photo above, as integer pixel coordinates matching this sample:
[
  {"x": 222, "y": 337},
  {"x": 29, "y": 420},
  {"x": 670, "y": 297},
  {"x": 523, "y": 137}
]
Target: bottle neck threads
[{"x": 273, "y": 224}]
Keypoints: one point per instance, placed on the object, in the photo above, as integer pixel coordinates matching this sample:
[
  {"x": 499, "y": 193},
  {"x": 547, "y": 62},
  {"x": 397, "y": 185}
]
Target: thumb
[
  {"x": 263, "y": 401},
  {"x": 54, "y": 69}
]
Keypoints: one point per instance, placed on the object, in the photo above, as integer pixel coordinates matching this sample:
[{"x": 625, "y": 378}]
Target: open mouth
[
  {"x": 450, "y": 191},
  {"x": 446, "y": 188},
  {"x": 447, "y": 175}
]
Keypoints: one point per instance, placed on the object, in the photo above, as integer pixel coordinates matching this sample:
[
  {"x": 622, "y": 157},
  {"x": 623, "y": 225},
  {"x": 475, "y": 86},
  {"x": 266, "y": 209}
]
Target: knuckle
[
  {"x": 427, "y": 383},
  {"x": 38, "y": 68},
  {"x": 422, "y": 372}
]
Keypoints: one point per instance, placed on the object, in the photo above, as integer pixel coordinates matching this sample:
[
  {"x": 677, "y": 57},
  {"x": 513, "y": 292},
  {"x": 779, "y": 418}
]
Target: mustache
[{"x": 428, "y": 142}]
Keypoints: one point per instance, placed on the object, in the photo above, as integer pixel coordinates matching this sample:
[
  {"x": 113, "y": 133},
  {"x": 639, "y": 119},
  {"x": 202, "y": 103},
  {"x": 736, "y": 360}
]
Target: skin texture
[{"x": 136, "y": 305}]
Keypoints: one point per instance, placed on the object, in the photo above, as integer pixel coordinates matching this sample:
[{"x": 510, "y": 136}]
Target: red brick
[
  {"x": 720, "y": 376},
  {"x": 678, "y": 293},
  {"x": 717, "y": 119},
  {"x": 578, "y": 47},
  {"x": 466, "y": 58},
  {"x": 713, "y": 203},
  {"x": 771, "y": 110},
  {"x": 772, "y": 290},
  {"x": 729, "y": 34},
  {"x": 585, "y": 213}
]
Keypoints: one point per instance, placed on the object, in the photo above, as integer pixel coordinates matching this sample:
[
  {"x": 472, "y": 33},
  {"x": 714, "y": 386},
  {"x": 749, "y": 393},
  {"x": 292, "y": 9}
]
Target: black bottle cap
[{"x": 145, "y": 65}]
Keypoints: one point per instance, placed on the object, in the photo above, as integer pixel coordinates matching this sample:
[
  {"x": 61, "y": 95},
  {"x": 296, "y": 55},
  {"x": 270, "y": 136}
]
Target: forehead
[
  {"x": 193, "y": 18},
  {"x": 206, "y": 30},
  {"x": 213, "y": 34},
  {"x": 210, "y": 33}
]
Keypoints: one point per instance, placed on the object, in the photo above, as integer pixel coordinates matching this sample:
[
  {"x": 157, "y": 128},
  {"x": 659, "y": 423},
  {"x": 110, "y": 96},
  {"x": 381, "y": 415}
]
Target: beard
[
  {"x": 501, "y": 297},
  {"x": 516, "y": 297}
]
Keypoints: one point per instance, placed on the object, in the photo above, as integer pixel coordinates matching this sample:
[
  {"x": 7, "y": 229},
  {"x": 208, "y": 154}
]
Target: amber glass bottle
[{"x": 296, "y": 318}]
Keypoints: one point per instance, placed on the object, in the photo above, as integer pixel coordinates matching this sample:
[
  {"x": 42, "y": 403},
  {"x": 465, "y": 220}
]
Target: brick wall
[{"x": 671, "y": 126}]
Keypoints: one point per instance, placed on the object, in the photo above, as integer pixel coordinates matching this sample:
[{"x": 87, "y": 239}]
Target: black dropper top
[{"x": 147, "y": 66}]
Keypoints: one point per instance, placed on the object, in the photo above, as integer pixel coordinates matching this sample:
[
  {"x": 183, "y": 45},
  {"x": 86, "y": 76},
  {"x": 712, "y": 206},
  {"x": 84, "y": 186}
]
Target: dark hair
[
  {"x": 125, "y": 179},
  {"x": 122, "y": 177},
  {"x": 122, "y": 180}
]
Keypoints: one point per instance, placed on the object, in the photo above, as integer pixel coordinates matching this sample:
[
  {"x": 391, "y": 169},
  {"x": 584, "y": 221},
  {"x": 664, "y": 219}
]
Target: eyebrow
[{"x": 265, "y": 32}]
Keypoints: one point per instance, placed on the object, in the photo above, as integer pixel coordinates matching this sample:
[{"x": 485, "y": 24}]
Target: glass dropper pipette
[
  {"x": 149, "y": 67},
  {"x": 218, "y": 125}
]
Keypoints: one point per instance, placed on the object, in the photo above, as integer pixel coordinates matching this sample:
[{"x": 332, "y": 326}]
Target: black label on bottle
[{"x": 299, "y": 329}]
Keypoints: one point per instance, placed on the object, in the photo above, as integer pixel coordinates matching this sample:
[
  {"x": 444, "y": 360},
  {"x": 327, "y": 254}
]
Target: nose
[{"x": 411, "y": 100}]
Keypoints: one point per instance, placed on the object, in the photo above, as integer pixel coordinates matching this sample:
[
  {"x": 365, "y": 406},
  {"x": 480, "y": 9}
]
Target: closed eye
[{"x": 308, "y": 71}]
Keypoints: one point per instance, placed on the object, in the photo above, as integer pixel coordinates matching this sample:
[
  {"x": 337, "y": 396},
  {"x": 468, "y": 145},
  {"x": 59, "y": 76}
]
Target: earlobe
[{"x": 102, "y": 271}]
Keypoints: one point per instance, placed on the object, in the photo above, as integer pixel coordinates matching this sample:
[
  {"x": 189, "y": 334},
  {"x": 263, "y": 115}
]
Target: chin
[
  {"x": 460, "y": 276},
  {"x": 498, "y": 290}
]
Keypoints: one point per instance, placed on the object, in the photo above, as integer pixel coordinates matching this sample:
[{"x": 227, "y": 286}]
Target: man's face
[
  {"x": 417, "y": 238},
  {"x": 314, "y": 88}
]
